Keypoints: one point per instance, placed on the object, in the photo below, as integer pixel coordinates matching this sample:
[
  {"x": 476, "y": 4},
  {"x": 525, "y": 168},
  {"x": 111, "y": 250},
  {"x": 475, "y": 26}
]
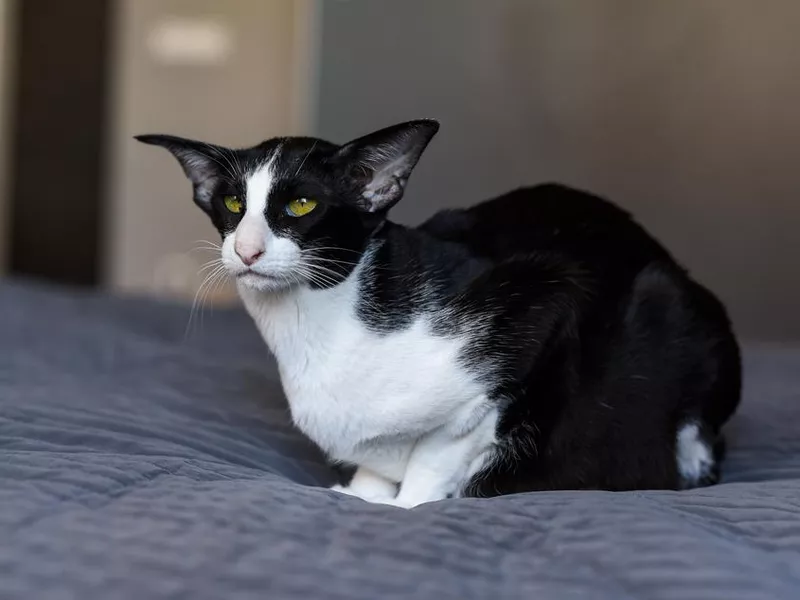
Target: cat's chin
[{"x": 262, "y": 283}]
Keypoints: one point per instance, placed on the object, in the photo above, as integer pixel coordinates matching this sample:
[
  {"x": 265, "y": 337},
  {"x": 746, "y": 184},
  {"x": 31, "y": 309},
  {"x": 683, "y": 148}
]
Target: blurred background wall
[
  {"x": 6, "y": 64},
  {"x": 684, "y": 112}
]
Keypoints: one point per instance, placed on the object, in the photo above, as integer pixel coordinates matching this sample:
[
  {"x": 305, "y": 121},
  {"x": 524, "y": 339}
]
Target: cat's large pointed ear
[
  {"x": 200, "y": 162},
  {"x": 379, "y": 164}
]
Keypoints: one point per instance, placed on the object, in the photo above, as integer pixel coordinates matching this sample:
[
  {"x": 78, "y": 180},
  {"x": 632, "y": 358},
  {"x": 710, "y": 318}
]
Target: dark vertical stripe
[{"x": 57, "y": 154}]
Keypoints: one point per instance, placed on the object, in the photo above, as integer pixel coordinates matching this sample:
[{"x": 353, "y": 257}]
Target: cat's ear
[
  {"x": 379, "y": 164},
  {"x": 200, "y": 162}
]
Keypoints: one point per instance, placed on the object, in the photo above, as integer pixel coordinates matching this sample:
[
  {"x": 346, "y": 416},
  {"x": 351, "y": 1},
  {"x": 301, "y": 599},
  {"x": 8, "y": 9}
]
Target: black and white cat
[{"x": 540, "y": 340}]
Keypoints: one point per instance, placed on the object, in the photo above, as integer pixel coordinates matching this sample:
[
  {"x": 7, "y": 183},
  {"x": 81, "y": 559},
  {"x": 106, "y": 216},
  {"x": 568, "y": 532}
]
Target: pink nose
[{"x": 249, "y": 255}]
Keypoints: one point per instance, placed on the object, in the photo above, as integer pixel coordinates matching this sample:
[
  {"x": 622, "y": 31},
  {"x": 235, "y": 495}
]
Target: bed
[{"x": 137, "y": 461}]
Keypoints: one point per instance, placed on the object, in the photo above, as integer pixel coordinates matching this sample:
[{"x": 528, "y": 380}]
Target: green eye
[
  {"x": 233, "y": 204},
  {"x": 300, "y": 207}
]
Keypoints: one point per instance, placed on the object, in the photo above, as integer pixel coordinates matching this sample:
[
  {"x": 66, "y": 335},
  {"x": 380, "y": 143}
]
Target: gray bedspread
[{"x": 138, "y": 463}]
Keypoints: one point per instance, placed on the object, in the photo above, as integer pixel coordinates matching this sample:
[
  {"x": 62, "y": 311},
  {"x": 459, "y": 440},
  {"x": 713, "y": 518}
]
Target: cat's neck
[
  {"x": 300, "y": 311},
  {"x": 302, "y": 323}
]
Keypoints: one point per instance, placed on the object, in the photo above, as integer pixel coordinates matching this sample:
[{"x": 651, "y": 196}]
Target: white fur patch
[
  {"x": 368, "y": 486},
  {"x": 258, "y": 187},
  {"x": 694, "y": 457},
  {"x": 400, "y": 404}
]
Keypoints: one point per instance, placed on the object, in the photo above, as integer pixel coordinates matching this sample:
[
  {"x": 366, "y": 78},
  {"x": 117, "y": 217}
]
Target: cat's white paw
[
  {"x": 395, "y": 502},
  {"x": 343, "y": 490},
  {"x": 369, "y": 497},
  {"x": 368, "y": 486},
  {"x": 410, "y": 502}
]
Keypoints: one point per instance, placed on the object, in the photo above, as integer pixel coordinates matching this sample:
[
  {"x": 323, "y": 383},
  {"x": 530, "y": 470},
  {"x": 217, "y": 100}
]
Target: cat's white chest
[{"x": 355, "y": 392}]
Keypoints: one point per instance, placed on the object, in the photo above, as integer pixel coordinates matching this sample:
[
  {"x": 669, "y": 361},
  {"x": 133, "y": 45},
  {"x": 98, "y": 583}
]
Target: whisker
[
  {"x": 227, "y": 168},
  {"x": 320, "y": 268},
  {"x": 194, "y": 304},
  {"x": 314, "y": 145},
  {"x": 232, "y": 160},
  {"x": 209, "y": 242},
  {"x": 324, "y": 248},
  {"x": 212, "y": 286},
  {"x": 331, "y": 275},
  {"x": 199, "y": 295},
  {"x": 220, "y": 281},
  {"x": 311, "y": 253},
  {"x": 200, "y": 245},
  {"x": 333, "y": 261},
  {"x": 204, "y": 296},
  {"x": 314, "y": 277},
  {"x": 236, "y": 160},
  {"x": 210, "y": 264}
]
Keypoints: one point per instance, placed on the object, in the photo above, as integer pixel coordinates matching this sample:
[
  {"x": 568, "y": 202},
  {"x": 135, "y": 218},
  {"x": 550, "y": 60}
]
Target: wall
[
  {"x": 6, "y": 42},
  {"x": 685, "y": 112},
  {"x": 237, "y": 101}
]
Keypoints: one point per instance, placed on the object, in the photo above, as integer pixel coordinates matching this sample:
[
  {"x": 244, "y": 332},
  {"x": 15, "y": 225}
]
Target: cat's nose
[{"x": 249, "y": 254}]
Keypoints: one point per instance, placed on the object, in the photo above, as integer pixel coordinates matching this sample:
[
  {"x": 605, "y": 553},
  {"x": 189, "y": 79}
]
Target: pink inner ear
[
  {"x": 383, "y": 160},
  {"x": 382, "y": 197}
]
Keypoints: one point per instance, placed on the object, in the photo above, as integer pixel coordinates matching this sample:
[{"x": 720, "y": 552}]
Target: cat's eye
[
  {"x": 233, "y": 204},
  {"x": 300, "y": 207}
]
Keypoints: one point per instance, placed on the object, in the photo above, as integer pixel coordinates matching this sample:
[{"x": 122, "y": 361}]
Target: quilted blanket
[{"x": 139, "y": 462}]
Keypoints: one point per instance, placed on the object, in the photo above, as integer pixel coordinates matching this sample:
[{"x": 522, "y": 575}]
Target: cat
[{"x": 541, "y": 340}]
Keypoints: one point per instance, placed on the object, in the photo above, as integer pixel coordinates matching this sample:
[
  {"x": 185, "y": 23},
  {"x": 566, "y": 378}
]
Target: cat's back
[{"x": 549, "y": 218}]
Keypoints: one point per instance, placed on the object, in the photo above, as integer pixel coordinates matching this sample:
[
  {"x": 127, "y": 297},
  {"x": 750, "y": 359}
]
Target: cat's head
[{"x": 299, "y": 210}]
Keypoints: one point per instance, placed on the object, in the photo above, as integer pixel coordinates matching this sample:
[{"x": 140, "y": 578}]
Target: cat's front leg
[
  {"x": 442, "y": 462},
  {"x": 369, "y": 486}
]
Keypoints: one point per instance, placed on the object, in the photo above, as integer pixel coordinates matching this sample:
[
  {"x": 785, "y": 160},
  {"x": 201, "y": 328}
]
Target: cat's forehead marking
[{"x": 259, "y": 182}]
